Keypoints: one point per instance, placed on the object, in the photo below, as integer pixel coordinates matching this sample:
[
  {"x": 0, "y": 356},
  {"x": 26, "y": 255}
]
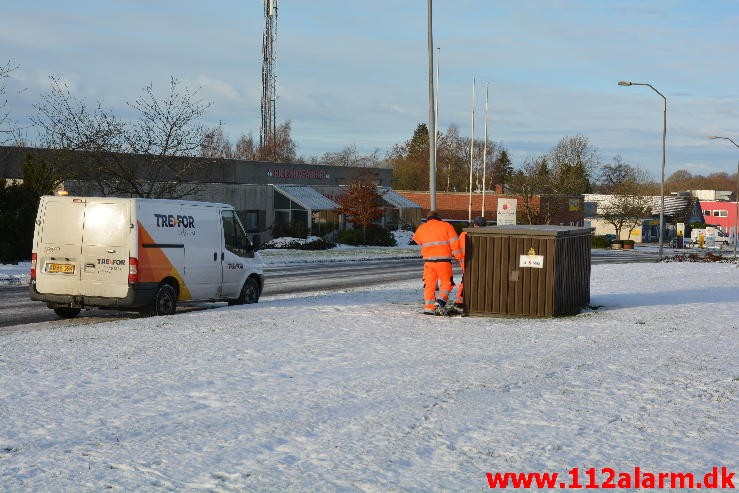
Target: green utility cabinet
[{"x": 527, "y": 270}]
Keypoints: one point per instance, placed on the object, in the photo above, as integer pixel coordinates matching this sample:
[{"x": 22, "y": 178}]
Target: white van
[
  {"x": 712, "y": 236},
  {"x": 140, "y": 254}
]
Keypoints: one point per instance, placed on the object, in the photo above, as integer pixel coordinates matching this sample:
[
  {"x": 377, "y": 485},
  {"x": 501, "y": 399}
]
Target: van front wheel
[
  {"x": 249, "y": 293},
  {"x": 66, "y": 312},
  {"x": 164, "y": 302}
]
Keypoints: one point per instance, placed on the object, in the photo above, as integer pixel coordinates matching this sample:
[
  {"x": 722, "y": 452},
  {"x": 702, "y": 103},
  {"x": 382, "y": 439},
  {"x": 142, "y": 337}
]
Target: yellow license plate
[{"x": 65, "y": 268}]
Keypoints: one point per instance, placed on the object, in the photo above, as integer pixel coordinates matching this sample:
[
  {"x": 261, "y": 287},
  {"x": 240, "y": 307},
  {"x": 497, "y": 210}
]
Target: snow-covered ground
[{"x": 356, "y": 391}]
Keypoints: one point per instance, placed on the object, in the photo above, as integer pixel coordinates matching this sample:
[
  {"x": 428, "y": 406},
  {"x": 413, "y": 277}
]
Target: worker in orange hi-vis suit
[
  {"x": 439, "y": 244},
  {"x": 477, "y": 222}
]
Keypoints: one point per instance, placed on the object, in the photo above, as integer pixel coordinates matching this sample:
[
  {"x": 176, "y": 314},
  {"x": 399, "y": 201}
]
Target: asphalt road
[{"x": 17, "y": 310}]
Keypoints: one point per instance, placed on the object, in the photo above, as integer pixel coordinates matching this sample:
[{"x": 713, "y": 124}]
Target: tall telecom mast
[{"x": 269, "y": 78}]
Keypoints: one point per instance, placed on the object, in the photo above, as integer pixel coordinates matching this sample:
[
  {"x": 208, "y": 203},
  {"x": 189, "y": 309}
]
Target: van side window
[{"x": 234, "y": 237}]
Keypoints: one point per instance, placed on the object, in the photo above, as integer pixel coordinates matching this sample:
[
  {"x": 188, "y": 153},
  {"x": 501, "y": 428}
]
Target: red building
[
  {"x": 566, "y": 210},
  {"x": 720, "y": 213}
]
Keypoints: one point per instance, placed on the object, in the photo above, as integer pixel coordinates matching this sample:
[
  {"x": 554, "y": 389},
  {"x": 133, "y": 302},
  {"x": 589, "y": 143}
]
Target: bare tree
[
  {"x": 84, "y": 137},
  {"x": 682, "y": 180},
  {"x": 281, "y": 147},
  {"x": 530, "y": 182},
  {"x": 5, "y": 131},
  {"x": 573, "y": 163},
  {"x": 350, "y": 156},
  {"x": 246, "y": 148},
  {"x": 167, "y": 128},
  {"x": 624, "y": 212},
  {"x": 452, "y": 160},
  {"x": 164, "y": 139},
  {"x": 631, "y": 199},
  {"x": 69, "y": 124},
  {"x": 216, "y": 144}
]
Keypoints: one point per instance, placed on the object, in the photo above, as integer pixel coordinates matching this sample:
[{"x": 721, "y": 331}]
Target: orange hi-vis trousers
[
  {"x": 460, "y": 288},
  {"x": 433, "y": 273}
]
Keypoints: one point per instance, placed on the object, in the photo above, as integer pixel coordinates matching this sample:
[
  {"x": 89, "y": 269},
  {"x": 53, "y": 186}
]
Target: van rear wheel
[
  {"x": 164, "y": 302},
  {"x": 66, "y": 311}
]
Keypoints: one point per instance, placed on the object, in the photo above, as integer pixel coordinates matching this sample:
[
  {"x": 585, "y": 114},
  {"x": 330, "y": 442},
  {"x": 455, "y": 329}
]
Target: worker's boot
[
  {"x": 455, "y": 309},
  {"x": 440, "y": 307}
]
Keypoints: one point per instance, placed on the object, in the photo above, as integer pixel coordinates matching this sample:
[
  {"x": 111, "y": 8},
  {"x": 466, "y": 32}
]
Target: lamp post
[
  {"x": 662, "y": 178},
  {"x": 736, "y": 219},
  {"x": 432, "y": 112}
]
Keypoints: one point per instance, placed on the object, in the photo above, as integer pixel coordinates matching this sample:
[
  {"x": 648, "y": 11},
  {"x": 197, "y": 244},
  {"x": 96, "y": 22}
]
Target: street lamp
[
  {"x": 736, "y": 223},
  {"x": 662, "y": 178},
  {"x": 432, "y": 112}
]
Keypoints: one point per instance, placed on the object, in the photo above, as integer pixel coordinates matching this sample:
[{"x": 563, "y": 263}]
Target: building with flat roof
[{"x": 297, "y": 197}]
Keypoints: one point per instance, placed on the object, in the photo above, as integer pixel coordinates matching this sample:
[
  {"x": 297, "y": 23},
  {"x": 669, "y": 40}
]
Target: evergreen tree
[
  {"x": 502, "y": 169},
  {"x": 18, "y": 206},
  {"x": 410, "y": 161}
]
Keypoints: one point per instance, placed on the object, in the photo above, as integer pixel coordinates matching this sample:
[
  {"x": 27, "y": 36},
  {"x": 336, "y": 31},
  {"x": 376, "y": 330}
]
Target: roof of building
[
  {"x": 397, "y": 200},
  {"x": 679, "y": 207},
  {"x": 307, "y": 197},
  {"x": 673, "y": 205}
]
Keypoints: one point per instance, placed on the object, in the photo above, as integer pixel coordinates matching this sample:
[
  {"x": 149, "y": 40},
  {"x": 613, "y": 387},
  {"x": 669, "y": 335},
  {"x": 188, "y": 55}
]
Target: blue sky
[{"x": 355, "y": 72}]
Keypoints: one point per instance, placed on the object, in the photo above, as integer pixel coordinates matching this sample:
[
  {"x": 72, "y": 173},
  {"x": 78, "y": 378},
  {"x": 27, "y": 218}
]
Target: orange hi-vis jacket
[
  {"x": 438, "y": 241},
  {"x": 462, "y": 249}
]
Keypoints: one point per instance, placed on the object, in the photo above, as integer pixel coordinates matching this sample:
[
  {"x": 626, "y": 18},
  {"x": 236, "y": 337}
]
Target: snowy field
[{"x": 356, "y": 391}]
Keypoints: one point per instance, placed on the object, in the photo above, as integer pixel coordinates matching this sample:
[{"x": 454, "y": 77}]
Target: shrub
[
  {"x": 375, "y": 236},
  {"x": 628, "y": 242},
  {"x": 321, "y": 229},
  {"x": 312, "y": 243},
  {"x": 296, "y": 229},
  {"x": 694, "y": 257},
  {"x": 599, "y": 241},
  {"x": 317, "y": 244}
]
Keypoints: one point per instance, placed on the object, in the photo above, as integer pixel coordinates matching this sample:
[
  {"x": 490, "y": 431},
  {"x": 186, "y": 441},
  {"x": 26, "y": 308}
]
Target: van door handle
[
  {"x": 110, "y": 250},
  {"x": 215, "y": 256},
  {"x": 223, "y": 256}
]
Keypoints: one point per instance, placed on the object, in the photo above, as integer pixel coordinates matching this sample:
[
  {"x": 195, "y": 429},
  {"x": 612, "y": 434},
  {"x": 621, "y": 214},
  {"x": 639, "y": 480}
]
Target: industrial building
[{"x": 266, "y": 195}]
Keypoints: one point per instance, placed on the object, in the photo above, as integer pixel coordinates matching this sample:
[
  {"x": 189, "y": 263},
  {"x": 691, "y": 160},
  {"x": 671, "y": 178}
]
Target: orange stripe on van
[{"x": 155, "y": 266}]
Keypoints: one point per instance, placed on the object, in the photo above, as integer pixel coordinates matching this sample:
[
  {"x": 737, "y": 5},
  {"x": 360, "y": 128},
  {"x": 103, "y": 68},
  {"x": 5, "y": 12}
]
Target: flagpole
[{"x": 472, "y": 149}]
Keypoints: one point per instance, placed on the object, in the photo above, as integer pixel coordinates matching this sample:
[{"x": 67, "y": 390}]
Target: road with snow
[{"x": 17, "y": 309}]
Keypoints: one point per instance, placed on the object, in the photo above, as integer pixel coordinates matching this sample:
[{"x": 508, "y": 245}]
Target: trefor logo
[{"x": 172, "y": 221}]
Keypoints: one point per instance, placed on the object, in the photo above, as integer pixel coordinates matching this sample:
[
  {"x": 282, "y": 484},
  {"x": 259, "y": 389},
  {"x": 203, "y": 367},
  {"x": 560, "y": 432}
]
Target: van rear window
[
  {"x": 106, "y": 224},
  {"x": 62, "y": 223}
]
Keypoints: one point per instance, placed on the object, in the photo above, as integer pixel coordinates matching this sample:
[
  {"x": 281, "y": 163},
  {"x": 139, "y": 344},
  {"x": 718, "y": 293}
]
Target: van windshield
[{"x": 234, "y": 237}]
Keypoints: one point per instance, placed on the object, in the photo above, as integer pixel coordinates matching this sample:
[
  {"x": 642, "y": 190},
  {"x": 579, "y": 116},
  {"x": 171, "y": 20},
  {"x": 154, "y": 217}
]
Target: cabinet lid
[{"x": 536, "y": 230}]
